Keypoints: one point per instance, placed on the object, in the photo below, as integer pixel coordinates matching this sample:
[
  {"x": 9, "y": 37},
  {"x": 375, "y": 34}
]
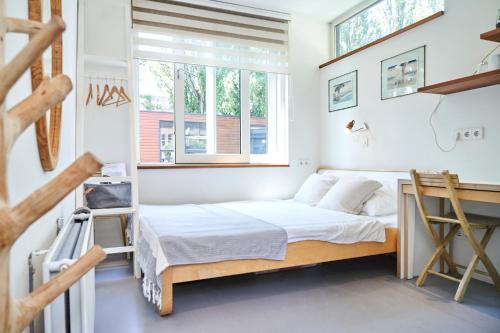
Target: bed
[{"x": 182, "y": 243}]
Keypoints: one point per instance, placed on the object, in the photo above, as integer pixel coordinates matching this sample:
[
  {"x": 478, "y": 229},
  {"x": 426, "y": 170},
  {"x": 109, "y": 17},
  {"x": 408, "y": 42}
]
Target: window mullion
[
  {"x": 272, "y": 111},
  {"x": 282, "y": 119},
  {"x": 211, "y": 114},
  {"x": 180, "y": 149},
  {"x": 245, "y": 114}
]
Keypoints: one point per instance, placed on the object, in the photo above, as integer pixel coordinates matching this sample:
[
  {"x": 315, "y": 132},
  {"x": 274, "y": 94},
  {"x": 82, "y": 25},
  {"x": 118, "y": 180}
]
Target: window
[
  {"x": 210, "y": 113},
  {"x": 258, "y": 113},
  {"x": 212, "y": 86},
  {"x": 212, "y": 96},
  {"x": 379, "y": 20},
  {"x": 156, "y": 111}
]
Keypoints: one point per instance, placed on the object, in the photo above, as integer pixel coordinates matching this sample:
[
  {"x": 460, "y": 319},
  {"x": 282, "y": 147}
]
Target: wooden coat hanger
[
  {"x": 109, "y": 99},
  {"x": 104, "y": 97},
  {"x": 98, "y": 93},
  {"x": 124, "y": 94},
  {"x": 90, "y": 94},
  {"x": 123, "y": 97}
]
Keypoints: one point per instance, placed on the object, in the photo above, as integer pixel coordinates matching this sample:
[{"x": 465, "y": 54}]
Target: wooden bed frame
[{"x": 298, "y": 254}]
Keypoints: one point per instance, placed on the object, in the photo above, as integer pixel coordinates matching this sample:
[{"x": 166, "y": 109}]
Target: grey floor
[{"x": 361, "y": 295}]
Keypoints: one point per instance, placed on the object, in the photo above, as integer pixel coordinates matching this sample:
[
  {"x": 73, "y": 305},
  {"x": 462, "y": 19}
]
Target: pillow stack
[
  {"x": 349, "y": 194},
  {"x": 314, "y": 188},
  {"x": 383, "y": 202},
  {"x": 352, "y": 195}
]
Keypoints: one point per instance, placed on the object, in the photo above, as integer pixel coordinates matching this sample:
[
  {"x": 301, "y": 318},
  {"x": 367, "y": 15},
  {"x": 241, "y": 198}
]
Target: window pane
[
  {"x": 195, "y": 109},
  {"x": 196, "y": 136},
  {"x": 156, "y": 111},
  {"x": 212, "y": 110},
  {"x": 228, "y": 110},
  {"x": 167, "y": 143},
  {"x": 258, "y": 113},
  {"x": 381, "y": 19}
]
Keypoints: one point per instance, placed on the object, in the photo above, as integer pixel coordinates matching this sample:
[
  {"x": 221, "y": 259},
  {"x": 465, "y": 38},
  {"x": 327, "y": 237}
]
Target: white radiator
[{"x": 73, "y": 311}]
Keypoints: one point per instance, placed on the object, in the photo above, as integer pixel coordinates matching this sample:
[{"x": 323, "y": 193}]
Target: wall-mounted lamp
[{"x": 349, "y": 128}]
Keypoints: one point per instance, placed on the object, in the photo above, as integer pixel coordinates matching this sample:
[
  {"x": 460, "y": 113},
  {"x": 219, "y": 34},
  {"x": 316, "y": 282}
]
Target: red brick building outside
[{"x": 156, "y": 132}]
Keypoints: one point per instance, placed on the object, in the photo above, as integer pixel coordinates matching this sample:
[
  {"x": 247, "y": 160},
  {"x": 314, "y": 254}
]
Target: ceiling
[{"x": 323, "y": 10}]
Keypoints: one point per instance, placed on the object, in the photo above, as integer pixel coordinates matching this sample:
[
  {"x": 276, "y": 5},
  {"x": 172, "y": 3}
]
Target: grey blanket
[{"x": 193, "y": 234}]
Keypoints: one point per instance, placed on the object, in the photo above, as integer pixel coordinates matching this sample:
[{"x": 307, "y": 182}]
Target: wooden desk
[{"x": 479, "y": 192}]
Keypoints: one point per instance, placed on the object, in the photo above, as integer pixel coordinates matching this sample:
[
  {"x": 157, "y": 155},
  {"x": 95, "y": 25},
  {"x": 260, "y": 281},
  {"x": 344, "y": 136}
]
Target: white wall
[
  {"x": 401, "y": 136},
  {"x": 24, "y": 170},
  {"x": 308, "y": 49}
]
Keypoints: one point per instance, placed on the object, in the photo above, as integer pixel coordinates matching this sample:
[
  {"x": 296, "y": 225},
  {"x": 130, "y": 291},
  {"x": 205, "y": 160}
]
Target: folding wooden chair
[{"x": 456, "y": 220}]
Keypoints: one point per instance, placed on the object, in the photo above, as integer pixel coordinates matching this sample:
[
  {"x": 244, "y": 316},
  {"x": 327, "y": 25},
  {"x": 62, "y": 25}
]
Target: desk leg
[
  {"x": 405, "y": 229},
  {"x": 441, "y": 233}
]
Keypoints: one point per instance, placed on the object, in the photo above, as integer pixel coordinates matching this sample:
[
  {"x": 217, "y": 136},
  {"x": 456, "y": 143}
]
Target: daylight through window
[{"x": 379, "y": 20}]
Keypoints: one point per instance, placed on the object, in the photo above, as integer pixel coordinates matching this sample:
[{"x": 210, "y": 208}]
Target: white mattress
[
  {"x": 389, "y": 221},
  {"x": 303, "y": 222}
]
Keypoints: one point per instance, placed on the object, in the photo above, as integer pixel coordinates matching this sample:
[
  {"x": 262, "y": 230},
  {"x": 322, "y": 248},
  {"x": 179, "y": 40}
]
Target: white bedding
[
  {"x": 389, "y": 221},
  {"x": 300, "y": 221},
  {"x": 303, "y": 222}
]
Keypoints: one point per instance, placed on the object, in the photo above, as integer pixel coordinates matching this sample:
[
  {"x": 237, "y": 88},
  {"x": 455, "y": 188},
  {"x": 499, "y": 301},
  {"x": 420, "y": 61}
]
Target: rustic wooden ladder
[
  {"x": 456, "y": 220},
  {"x": 15, "y": 315}
]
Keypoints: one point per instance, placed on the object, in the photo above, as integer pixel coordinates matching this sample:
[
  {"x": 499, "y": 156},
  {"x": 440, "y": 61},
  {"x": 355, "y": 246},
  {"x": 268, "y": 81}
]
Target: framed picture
[
  {"x": 403, "y": 74},
  {"x": 343, "y": 92}
]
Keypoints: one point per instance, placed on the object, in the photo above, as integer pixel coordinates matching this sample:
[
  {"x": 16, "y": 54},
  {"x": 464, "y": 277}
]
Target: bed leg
[{"x": 167, "y": 296}]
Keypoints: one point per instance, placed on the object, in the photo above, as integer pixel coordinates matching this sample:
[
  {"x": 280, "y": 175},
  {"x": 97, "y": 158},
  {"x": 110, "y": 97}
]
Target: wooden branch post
[{"x": 15, "y": 315}]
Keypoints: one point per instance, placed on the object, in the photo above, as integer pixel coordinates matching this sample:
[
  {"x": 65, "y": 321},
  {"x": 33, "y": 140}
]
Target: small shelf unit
[
  {"x": 109, "y": 179},
  {"x": 463, "y": 84},
  {"x": 471, "y": 82},
  {"x": 119, "y": 249},
  {"x": 113, "y": 211}
]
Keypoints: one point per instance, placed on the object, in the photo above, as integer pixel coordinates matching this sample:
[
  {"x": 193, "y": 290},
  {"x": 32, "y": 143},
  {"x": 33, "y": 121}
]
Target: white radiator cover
[{"x": 72, "y": 311}]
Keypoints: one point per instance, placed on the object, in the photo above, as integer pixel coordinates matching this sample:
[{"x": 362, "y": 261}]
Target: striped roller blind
[{"x": 183, "y": 32}]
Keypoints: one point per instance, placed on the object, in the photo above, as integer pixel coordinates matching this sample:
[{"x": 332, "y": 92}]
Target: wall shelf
[
  {"x": 464, "y": 83},
  {"x": 481, "y": 80},
  {"x": 97, "y": 60},
  {"x": 492, "y": 36}
]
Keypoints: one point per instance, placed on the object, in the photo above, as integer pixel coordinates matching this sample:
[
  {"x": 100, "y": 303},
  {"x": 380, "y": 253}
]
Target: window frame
[
  {"x": 365, "y": 5},
  {"x": 277, "y": 122},
  {"x": 181, "y": 157}
]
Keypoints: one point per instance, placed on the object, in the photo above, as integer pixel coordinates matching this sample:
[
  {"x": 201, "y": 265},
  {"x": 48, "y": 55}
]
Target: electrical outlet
[
  {"x": 471, "y": 133},
  {"x": 304, "y": 162},
  {"x": 477, "y": 133},
  {"x": 464, "y": 134}
]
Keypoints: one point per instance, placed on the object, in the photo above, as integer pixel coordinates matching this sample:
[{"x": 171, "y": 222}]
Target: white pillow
[
  {"x": 349, "y": 194},
  {"x": 314, "y": 188},
  {"x": 383, "y": 202}
]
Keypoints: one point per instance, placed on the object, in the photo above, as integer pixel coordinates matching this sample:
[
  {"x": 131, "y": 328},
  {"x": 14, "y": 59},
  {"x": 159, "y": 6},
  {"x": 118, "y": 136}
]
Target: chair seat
[{"x": 478, "y": 221}]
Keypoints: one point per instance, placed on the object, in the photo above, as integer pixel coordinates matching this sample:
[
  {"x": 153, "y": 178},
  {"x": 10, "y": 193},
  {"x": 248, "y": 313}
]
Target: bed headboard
[{"x": 386, "y": 176}]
